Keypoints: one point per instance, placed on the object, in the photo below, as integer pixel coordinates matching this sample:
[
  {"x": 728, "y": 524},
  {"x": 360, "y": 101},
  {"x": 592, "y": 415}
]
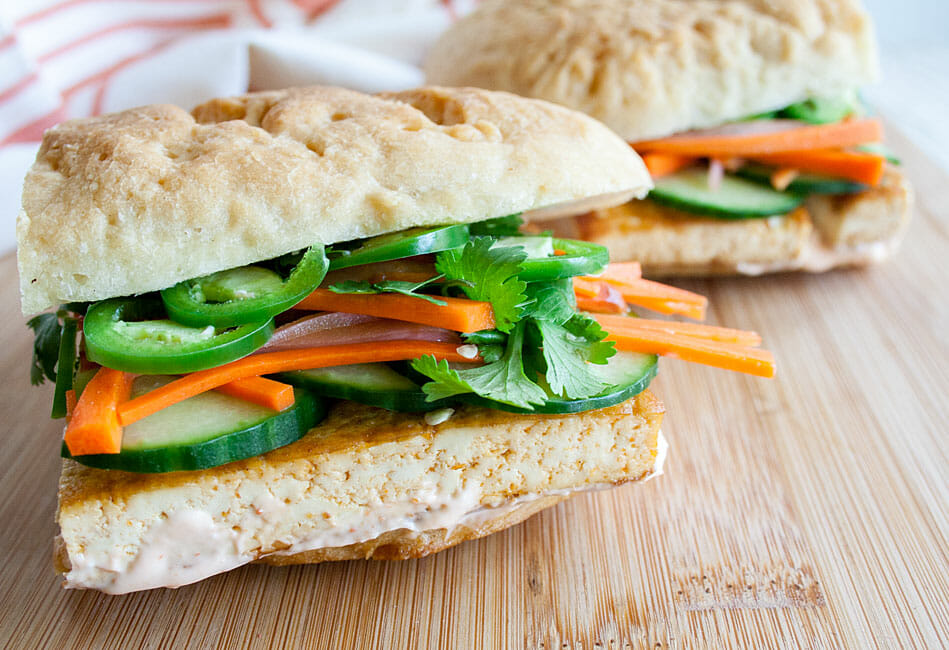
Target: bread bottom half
[
  {"x": 828, "y": 231},
  {"x": 365, "y": 483}
]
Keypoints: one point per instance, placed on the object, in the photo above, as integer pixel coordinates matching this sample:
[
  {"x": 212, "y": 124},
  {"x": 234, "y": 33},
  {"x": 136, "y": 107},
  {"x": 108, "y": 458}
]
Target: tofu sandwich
[
  {"x": 747, "y": 115},
  {"x": 303, "y": 325}
]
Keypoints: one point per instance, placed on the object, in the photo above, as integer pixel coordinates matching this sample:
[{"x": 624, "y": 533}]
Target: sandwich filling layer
[{"x": 359, "y": 474}]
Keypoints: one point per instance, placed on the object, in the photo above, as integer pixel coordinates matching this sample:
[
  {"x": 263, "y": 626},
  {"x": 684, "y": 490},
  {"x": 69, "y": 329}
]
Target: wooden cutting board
[{"x": 809, "y": 511}]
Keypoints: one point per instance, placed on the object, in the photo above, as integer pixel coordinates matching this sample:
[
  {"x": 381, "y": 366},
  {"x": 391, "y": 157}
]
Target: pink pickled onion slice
[{"x": 337, "y": 328}]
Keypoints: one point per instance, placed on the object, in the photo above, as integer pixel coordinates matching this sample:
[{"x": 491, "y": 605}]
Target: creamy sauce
[
  {"x": 188, "y": 545},
  {"x": 817, "y": 258}
]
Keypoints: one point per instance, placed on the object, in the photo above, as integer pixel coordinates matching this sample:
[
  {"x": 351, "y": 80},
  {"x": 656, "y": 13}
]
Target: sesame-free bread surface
[
  {"x": 649, "y": 68},
  {"x": 139, "y": 200},
  {"x": 828, "y": 231},
  {"x": 363, "y": 483}
]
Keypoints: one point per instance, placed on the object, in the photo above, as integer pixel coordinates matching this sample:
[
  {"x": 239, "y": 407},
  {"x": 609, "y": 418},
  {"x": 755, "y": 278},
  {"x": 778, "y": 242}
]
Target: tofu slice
[{"x": 365, "y": 483}]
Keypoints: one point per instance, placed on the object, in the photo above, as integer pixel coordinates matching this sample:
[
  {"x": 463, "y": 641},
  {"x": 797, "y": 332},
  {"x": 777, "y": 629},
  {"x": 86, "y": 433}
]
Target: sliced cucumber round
[
  {"x": 374, "y": 384},
  {"x": 204, "y": 431},
  {"x": 804, "y": 183},
  {"x": 406, "y": 243},
  {"x": 736, "y": 198},
  {"x": 628, "y": 373}
]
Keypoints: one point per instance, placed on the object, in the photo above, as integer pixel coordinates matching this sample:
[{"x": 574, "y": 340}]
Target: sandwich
[
  {"x": 746, "y": 113},
  {"x": 303, "y": 325}
]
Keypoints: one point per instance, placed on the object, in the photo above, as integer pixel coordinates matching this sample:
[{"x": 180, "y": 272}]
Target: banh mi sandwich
[
  {"x": 745, "y": 112},
  {"x": 302, "y": 325}
]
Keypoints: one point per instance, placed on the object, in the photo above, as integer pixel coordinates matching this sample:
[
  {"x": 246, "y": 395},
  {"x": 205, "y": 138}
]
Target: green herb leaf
[
  {"x": 388, "y": 286},
  {"x": 500, "y": 227},
  {"x": 353, "y": 286},
  {"x": 502, "y": 381},
  {"x": 552, "y": 301},
  {"x": 488, "y": 274},
  {"x": 568, "y": 357},
  {"x": 491, "y": 353},
  {"x": 47, "y": 333}
]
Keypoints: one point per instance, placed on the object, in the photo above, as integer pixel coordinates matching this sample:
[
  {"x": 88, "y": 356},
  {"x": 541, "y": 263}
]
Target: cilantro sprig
[
  {"x": 550, "y": 350},
  {"x": 503, "y": 380},
  {"x": 488, "y": 274},
  {"x": 47, "y": 333}
]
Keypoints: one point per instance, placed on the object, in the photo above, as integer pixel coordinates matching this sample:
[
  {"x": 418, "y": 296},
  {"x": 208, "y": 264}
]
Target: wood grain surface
[{"x": 811, "y": 511}]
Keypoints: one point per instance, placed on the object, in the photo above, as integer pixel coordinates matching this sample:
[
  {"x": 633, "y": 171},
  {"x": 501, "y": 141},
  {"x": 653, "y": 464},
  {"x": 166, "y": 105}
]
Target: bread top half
[
  {"x": 137, "y": 201},
  {"x": 649, "y": 68}
]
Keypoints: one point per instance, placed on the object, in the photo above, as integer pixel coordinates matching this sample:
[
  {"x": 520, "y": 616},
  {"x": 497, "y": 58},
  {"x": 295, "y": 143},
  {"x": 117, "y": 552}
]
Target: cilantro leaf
[
  {"x": 491, "y": 353},
  {"x": 500, "y": 227},
  {"x": 503, "y": 380},
  {"x": 353, "y": 286},
  {"x": 388, "y": 286},
  {"x": 47, "y": 333},
  {"x": 446, "y": 382},
  {"x": 587, "y": 328},
  {"x": 568, "y": 357},
  {"x": 552, "y": 301},
  {"x": 488, "y": 274}
]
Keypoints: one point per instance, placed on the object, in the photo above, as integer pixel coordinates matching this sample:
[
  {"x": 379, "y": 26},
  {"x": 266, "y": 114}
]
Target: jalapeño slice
[
  {"x": 134, "y": 335},
  {"x": 406, "y": 243},
  {"x": 574, "y": 258},
  {"x": 247, "y": 294}
]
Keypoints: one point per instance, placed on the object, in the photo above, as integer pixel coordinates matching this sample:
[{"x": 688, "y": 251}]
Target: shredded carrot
[
  {"x": 559, "y": 252},
  {"x": 696, "y": 330},
  {"x": 94, "y": 426},
  {"x": 782, "y": 177},
  {"x": 460, "y": 314},
  {"x": 857, "y": 166},
  {"x": 662, "y": 164},
  {"x": 259, "y": 390},
  {"x": 651, "y": 295},
  {"x": 607, "y": 300},
  {"x": 620, "y": 273},
  {"x": 730, "y": 356},
  {"x": 271, "y": 362},
  {"x": 823, "y": 136}
]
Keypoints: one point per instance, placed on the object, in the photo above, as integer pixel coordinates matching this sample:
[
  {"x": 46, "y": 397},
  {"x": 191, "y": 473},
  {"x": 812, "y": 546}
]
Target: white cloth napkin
[{"x": 73, "y": 58}]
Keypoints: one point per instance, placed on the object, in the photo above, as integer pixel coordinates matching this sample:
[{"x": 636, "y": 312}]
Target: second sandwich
[{"x": 747, "y": 115}]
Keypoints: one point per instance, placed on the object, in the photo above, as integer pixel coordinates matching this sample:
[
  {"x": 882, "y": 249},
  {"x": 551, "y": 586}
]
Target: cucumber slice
[
  {"x": 406, "y": 243},
  {"x": 375, "y": 384},
  {"x": 204, "y": 431},
  {"x": 736, "y": 198},
  {"x": 804, "y": 183},
  {"x": 628, "y": 373}
]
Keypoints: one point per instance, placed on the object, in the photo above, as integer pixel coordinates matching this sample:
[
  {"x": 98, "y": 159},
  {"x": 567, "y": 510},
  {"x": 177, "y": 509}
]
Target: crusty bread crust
[
  {"x": 650, "y": 68},
  {"x": 137, "y": 201},
  {"x": 827, "y": 232}
]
